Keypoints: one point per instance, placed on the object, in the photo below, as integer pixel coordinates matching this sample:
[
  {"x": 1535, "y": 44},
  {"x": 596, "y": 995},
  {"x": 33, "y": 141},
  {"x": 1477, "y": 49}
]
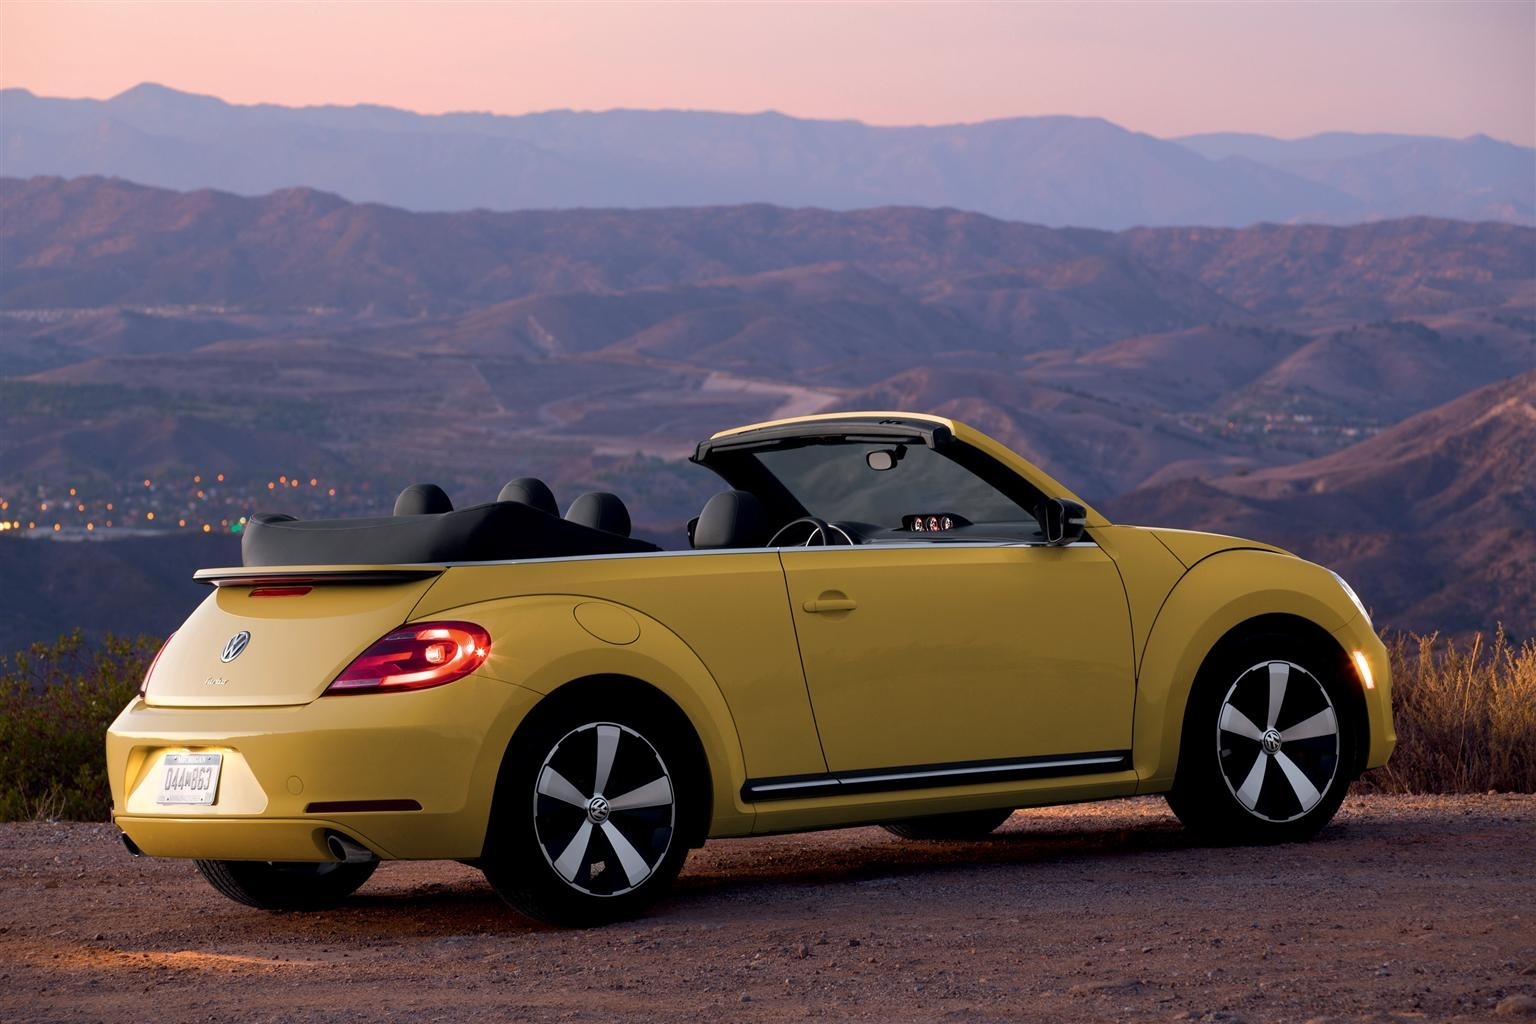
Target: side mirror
[{"x": 1063, "y": 521}]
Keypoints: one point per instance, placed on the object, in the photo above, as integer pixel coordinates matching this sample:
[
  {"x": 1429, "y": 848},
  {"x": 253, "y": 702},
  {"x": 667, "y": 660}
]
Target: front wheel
[
  {"x": 270, "y": 885},
  {"x": 1265, "y": 752},
  {"x": 590, "y": 820}
]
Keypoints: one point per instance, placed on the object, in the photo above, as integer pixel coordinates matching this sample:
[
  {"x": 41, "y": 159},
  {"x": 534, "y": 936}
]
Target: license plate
[{"x": 190, "y": 779}]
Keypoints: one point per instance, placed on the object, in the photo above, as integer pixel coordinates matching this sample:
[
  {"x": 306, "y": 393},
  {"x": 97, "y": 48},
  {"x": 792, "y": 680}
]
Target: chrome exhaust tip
[
  {"x": 131, "y": 846},
  {"x": 347, "y": 851}
]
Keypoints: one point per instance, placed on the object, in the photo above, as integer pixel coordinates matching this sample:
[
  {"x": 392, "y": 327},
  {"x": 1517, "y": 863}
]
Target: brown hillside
[{"x": 1434, "y": 521}]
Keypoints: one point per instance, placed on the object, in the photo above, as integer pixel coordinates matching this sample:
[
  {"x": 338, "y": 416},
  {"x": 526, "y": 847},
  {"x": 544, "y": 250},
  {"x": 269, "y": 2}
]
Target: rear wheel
[
  {"x": 1266, "y": 745},
  {"x": 964, "y": 825},
  {"x": 591, "y": 816},
  {"x": 286, "y": 886}
]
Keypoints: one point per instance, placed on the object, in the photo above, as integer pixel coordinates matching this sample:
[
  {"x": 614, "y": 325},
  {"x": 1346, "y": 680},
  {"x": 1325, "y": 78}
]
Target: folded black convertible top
[{"x": 481, "y": 533}]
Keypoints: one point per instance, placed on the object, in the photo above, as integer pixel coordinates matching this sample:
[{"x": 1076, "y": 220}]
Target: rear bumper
[
  {"x": 284, "y": 770},
  {"x": 284, "y": 839}
]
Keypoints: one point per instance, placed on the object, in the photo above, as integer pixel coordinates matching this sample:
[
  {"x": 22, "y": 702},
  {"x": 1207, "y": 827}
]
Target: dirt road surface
[{"x": 1405, "y": 909}]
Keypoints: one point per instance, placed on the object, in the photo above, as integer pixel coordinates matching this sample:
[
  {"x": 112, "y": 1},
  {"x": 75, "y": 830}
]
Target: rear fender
[
  {"x": 538, "y": 644},
  {"x": 1217, "y": 595}
]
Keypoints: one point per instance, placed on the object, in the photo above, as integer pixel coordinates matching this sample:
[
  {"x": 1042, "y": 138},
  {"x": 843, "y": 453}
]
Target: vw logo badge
[{"x": 236, "y": 644}]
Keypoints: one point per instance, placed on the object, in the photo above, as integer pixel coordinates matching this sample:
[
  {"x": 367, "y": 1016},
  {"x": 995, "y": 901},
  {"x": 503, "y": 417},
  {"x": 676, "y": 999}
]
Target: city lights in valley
[{"x": 202, "y": 502}]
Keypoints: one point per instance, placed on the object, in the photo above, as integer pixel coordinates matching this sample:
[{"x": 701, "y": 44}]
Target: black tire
[
  {"x": 286, "y": 886},
  {"x": 594, "y": 812},
  {"x": 1268, "y": 745},
  {"x": 963, "y": 825}
]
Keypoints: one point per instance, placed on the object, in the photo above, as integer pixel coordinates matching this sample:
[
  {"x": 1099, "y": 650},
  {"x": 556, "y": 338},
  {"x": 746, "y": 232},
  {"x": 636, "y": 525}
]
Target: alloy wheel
[
  {"x": 1281, "y": 769},
  {"x": 604, "y": 809}
]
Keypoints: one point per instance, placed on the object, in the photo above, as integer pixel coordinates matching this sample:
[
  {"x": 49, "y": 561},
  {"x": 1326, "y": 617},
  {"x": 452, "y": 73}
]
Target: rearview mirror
[
  {"x": 1063, "y": 521},
  {"x": 882, "y": 459}
]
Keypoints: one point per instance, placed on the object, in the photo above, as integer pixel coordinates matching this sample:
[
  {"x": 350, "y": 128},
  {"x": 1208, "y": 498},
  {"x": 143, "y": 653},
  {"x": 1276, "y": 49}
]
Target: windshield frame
[{"x": 734, "y": 459}]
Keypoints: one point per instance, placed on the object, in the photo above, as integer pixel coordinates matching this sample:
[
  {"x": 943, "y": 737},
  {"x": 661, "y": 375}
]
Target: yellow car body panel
[
  {"x": 321, "y": 632},
  {"x": 1221, "y": 592},
  {"x": 826, "y": 687},
  {"x": 440, "y": 748},
  {"x": 962, "y": 635}
]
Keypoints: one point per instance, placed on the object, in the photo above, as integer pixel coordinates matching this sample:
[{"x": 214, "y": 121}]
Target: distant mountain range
[
  {"x": 1059, "y": 171},
  {"x": 1261, "y": 380}
]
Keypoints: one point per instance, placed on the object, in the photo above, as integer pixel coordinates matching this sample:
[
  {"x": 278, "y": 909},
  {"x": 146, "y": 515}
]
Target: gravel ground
[{"x": 1405, "y": 909}]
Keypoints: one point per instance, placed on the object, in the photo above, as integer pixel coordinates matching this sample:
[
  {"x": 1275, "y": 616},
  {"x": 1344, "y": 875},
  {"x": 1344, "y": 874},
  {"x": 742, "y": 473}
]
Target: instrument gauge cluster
[{"x": 933, "y": 522}]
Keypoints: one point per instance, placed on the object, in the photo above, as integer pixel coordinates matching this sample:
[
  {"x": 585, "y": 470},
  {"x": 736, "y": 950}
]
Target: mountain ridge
[
  {"x": 71, "y": 243},
  {"x": 1057, "y": 170}
]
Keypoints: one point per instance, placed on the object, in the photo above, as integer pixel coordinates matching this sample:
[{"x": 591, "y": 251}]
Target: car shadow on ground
[
  {"x": 398, "y": 909},
  {"x": 870, "y": 855},
  {"x": 403, "y": 908}
]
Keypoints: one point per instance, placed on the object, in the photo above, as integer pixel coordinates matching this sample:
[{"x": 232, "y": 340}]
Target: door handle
[{"x": 831, "y": 601}]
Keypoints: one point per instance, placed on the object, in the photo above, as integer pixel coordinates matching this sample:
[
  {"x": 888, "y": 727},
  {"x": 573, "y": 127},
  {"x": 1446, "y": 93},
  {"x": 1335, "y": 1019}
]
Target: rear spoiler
[{"x": 309, "y": 576}]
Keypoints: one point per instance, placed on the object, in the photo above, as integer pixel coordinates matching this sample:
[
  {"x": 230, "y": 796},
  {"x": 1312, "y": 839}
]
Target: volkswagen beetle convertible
[{"x": 882, "y": 618}]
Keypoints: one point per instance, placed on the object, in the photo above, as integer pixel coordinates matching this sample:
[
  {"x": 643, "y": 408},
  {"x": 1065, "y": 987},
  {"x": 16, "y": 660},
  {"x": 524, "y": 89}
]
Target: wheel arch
[
  {"x": 1224, "y": 599},
  {"x": 613, "y": 690},
  {"x": 540, "y": 645}
]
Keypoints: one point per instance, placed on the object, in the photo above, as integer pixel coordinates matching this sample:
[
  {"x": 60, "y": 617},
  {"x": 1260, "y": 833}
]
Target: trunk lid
[{"x": 301, "y": 627}]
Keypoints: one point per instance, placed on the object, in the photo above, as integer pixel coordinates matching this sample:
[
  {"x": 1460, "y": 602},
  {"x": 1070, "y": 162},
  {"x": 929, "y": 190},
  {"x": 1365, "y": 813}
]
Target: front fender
[
  {"x": 1218, "y": 594},
  {"x": 541, "y": 645}
]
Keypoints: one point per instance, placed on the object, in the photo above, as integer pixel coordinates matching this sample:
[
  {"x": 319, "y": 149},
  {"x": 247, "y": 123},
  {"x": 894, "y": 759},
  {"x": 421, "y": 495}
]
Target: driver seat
[{"x": 732, "y": 519}]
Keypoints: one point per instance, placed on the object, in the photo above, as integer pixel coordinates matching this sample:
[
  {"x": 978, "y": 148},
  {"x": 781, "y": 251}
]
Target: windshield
[{"x": 835, "y": 481}]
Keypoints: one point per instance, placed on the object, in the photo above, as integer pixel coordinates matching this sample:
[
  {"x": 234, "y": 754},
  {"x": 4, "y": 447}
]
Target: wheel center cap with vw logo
[
  {"x": 236, "y": 644},
  {"x": 1271, "y": 741},
  {"x": 597, "y": 810}
]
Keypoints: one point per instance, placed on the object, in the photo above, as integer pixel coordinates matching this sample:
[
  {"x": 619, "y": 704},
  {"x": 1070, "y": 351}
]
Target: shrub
[
  {"x": 1465, "y": 715},
  {"x": 56, "y": 701}
]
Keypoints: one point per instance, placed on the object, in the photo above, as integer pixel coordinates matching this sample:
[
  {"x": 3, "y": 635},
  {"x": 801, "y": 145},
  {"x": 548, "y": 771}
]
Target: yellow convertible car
[{"x": 885, "y": 618}]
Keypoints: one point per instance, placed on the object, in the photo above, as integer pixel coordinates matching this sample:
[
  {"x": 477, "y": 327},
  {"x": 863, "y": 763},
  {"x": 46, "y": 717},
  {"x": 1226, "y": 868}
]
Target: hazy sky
[{"x": 1283, "y": 69}]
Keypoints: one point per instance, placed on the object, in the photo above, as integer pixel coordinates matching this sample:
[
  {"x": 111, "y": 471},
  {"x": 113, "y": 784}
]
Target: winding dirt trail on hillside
[{"x": 1406, "y": 909}]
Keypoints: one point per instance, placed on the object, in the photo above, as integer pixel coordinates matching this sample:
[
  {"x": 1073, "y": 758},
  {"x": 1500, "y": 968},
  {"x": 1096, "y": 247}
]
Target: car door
[{"x": 944, "y": 654}]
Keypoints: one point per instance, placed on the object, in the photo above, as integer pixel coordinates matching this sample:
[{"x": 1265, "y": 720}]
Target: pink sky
[{"x": 1283, "y": 69}]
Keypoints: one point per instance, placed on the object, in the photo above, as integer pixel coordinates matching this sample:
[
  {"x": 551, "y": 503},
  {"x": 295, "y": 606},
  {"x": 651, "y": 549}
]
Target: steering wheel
[{"x": 819, "y": 533}]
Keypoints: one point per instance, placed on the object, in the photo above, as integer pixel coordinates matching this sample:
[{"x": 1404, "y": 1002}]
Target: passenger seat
[{"x": 600, "y": 510}]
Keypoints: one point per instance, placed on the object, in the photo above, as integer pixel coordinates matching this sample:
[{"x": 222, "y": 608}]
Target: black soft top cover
[{"x": 481, "y": 533}]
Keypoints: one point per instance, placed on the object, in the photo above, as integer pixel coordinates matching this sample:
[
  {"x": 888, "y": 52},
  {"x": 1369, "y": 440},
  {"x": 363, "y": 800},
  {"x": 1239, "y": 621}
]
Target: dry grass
[{"x": 1465, "y": 714}]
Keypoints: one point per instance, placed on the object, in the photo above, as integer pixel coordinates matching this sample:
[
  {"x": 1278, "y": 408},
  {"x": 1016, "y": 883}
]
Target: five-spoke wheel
[
  {"x": 1265, "y": 753},
  {"x": 594, "y": 812},
  {"x": 1279, "y": 771},
  {"x": 604, "y": 809}
]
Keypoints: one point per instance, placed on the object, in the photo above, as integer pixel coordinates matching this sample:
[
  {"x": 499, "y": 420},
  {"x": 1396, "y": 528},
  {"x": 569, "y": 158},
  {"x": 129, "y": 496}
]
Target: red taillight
[
  {"x": 281, "y": 591},
  {"x": 144, "y": 686},
  {"x": 416, "y": 657}
]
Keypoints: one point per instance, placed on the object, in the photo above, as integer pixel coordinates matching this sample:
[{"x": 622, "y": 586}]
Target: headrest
[
  {"x": 530, "y": 491},
  {"x": 731, "y": 519},
  {"x": 601, "y": 511},
  {"x": 422, "y": 499}
]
